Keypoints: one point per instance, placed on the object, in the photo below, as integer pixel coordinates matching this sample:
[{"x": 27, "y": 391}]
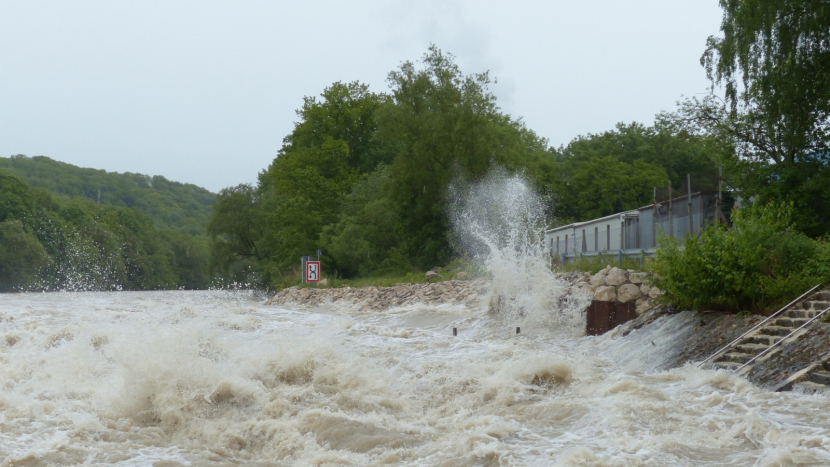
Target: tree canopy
[
  {"x": 171, "y": 205},
  {"x": 52, "y": 242},
  {"x": 364, "y": 176},
  {"x": 773, "y": 65}
]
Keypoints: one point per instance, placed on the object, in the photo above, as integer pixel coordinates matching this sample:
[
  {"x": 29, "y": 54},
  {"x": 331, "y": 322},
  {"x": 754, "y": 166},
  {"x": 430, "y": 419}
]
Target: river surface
[{"x": 212, "y": 378}]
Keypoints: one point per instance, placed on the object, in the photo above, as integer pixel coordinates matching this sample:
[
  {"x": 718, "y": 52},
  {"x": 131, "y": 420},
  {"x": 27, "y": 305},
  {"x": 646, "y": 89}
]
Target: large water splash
[{"x": 500, "y": 221}]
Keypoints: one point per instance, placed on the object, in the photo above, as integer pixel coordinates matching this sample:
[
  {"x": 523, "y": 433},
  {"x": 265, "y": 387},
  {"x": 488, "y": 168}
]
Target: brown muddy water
[{"x": 211, "y": 378}]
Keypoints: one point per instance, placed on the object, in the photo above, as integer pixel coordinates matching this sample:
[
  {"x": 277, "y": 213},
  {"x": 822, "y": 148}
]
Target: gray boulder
[
  {"x": 627, "y": 293},
  {"x": 615, "y": 277},
  {"x": 605, "y": 293}
]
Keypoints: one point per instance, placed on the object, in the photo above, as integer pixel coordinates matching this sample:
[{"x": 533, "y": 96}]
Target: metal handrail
[
  {"x": 819, "y": 315},
  {"x": 718, "y": 353}
]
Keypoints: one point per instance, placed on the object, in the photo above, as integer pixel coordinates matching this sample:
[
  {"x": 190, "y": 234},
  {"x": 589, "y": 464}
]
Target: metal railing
[
  {"x": 757, "y": 326},
  {"x": 618, "y": 255},
  {"x": 817, "y": 316}
]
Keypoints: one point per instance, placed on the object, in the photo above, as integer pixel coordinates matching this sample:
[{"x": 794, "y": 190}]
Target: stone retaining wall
[{"x": 620, "y": 285}]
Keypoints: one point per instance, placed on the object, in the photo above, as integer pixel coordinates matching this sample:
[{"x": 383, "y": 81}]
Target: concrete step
[
  {"x": 775, "y": 330},
  {"x": 799, "y": 314},
  {"x": 808, "y": 387},
  {"x": 761, "y": 339},
  {"x": 753, "y": 349},
  {"x": 790, "y": 322},
  {"x": 814, "y": 304},
  {"x": 822, "y": 296},
  {"x": 737, "y": 357},
  {"x": 727, "y": 365},
  {"x": 820, "y": 377}
]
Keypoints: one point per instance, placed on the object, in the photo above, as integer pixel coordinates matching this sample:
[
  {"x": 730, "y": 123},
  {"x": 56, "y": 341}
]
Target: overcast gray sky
[{"x": 204, "y": 91}]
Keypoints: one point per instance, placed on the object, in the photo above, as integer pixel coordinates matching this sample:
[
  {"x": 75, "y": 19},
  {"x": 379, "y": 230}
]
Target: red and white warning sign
[{"x": 312, "y": 271}]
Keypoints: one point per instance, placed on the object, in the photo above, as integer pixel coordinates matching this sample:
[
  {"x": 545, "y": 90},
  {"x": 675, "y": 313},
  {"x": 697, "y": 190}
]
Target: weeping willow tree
[{"x": 772, "y": 64}]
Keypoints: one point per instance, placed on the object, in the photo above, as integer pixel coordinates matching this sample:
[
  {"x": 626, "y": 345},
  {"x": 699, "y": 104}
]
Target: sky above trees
[{"x": 204, "y": 92}]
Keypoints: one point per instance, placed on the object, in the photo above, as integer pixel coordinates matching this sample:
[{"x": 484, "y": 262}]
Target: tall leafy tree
[
  {"x": 343, "y": 112},
  {"x": 773, "y": 63},
  {"x": 16, "y": 200},
  {"x": 598, "y": 187},
  {"x": 439, "y": 122}
]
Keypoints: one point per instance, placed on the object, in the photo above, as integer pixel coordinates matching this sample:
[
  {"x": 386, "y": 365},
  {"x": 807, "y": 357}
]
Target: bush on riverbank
[{"x": 760, "y": 262}]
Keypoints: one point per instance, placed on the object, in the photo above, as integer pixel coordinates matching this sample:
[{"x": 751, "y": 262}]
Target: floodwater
[{"x": 211, "y": 378}]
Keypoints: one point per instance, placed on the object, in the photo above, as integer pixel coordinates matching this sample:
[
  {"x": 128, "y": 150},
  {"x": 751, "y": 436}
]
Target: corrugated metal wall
[{"x": 636, "y": 230}]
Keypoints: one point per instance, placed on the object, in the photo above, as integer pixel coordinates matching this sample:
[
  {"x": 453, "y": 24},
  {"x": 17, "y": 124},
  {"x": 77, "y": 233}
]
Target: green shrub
[{"x": 760, "y": 262}]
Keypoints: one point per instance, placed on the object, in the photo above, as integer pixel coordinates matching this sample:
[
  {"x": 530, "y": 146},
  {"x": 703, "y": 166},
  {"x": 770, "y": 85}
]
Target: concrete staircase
[
  {"x": 815, "y": 381},
  {"x": 772, "y": 332}
]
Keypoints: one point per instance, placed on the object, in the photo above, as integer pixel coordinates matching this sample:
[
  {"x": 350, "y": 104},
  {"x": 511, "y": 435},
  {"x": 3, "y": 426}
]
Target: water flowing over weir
[{"x": 216, "y": 378}]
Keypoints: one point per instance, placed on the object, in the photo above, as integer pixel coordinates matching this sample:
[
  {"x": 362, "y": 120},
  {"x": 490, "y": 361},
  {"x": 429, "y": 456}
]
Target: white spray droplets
[{"x": 500, "y": 222}]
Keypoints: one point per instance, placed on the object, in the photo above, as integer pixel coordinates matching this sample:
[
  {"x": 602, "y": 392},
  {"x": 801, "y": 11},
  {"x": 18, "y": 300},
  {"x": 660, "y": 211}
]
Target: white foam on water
[{"x": 200, "y": 378}]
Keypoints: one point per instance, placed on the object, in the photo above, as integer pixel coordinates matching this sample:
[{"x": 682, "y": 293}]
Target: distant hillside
[{"x": 171, "y": 205}]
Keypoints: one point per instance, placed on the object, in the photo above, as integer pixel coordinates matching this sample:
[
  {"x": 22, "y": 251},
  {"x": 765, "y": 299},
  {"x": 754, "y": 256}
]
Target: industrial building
[{"x": 634, "y": 233}]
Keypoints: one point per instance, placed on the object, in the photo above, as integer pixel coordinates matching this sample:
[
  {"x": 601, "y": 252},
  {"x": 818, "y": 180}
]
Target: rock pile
[
  {"x": 455, "y": 292},
  {"x": 618, "y": 285}
]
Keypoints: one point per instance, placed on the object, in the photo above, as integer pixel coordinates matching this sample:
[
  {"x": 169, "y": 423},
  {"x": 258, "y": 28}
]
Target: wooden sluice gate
[{"x": 605, "y": 316}]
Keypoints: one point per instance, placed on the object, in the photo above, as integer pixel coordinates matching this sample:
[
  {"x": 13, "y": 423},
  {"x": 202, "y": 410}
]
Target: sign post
[{"x": 312, "y": 271}]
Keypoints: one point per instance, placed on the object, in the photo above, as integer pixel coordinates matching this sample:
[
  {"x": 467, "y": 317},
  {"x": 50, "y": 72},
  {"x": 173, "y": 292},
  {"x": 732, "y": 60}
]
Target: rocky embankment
[
  {"x": 469, "y": 293},
  {"x": 610, "y": 284},
  {"x": 617, "y": 285},
  {"x": 456, "y": 292}
]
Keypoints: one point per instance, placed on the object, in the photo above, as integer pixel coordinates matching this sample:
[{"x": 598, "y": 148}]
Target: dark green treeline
[
  {"x": 53, "y": 236},
  {"x": 364, "y": 176}
]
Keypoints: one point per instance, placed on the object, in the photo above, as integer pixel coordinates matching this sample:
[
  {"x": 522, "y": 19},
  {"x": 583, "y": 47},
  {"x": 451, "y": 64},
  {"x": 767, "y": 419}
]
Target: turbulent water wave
[
  {"x": 202, "y": 378},
  {"x": 219, "y": 378},
  {"x": 500, "y": 221}
]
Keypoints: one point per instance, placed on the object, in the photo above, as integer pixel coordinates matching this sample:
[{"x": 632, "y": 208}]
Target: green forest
[
  {"x": 171, "y": 205},
  {"x": 364, "y": 174},
  {"x": 147, "y": 233}
]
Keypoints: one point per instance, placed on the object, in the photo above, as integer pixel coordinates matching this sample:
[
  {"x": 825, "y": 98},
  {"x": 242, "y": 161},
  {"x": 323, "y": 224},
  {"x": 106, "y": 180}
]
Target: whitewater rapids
[{"x": 210, "y": 378}]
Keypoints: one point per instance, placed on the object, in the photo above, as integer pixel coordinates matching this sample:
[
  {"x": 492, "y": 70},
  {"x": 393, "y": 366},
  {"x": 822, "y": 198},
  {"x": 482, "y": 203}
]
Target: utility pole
[
  {"x": 654, "y": 220},
  {"x": 689, "y": 187},
  {"x": 719, "y": 202},
  {"x": 671, "y": 223}
]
